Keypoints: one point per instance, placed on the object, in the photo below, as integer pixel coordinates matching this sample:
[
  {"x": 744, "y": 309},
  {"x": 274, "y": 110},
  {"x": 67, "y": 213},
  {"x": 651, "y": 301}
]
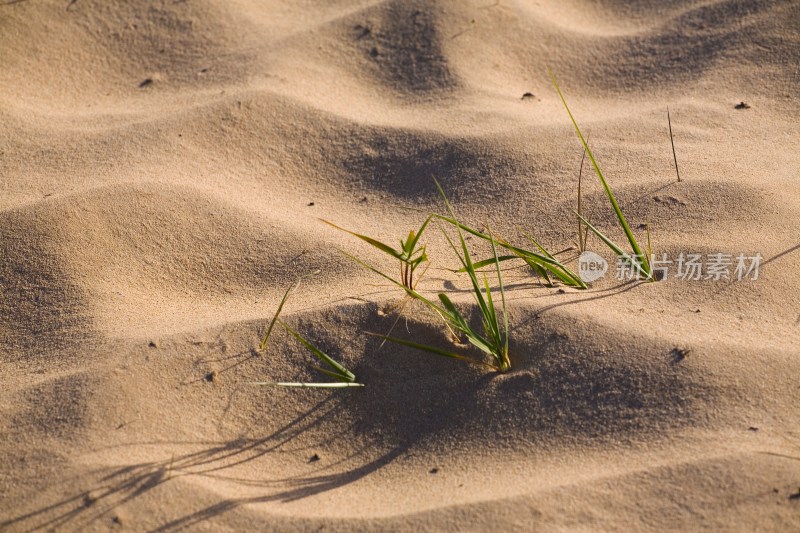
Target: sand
[{"x": 163, "y": 170}]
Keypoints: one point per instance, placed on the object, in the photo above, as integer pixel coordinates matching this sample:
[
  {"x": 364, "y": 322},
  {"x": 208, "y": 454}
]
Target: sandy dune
[{"x": 163, "y": 169}]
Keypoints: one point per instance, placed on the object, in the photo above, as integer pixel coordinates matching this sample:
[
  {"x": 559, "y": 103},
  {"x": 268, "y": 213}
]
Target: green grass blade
[
  {"x": 275, "y": 318},
  {"x": 553, "y": 265},
  {"x": 504, "y": 363},
  {"x": 539, "y": 246},
  {"x": 477, "y": 294},
  {"x": 465, "y": 259},
  {"x": 466, "y": 262},
  {"x": 542, "y": 272},
  {"x": 488, "y": 291},
  {"x": 486, "y": 262},
  {"x": 411, "y": 292},
  {"x": 479, "y": 342},
  {"x": 543, "y": 264},
  {"x": 424, "y": 347},
  {"x": 457, "y": 318},
  {"x": 464, "y": 266},
  {"x": 628, "y": 233},
  {"x": 430, "y": 349},
  {"x": 406, "y": 245},
  {"x": 334, "y": 375},
  {"x": 280, "y": 307},
  {"x": 564, "y": 274},
  {"x": 491, "y": 326},
  {"x": 377, "y": 244},
  {"x": 413, "y": 242},
  {"x": 458, "y": 322},
  {"x": 320, "y": 354},
  {"x": 493, "y": 345},
  {"x": 616, "y": 249},
  {"x": 419, "y": 260}
]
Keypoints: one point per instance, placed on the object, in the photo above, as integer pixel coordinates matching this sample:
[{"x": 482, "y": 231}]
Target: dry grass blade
[
  {"x": 672, "y": 141},
  {"x": 300, "y": 385}
]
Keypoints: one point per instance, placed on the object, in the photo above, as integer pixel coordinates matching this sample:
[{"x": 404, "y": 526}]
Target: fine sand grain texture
[{"x": 164, "y": 166}]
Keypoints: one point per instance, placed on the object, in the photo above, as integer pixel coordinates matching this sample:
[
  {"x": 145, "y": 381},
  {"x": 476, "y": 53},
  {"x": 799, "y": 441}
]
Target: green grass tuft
[
  {"x": 409, "y": 255},
  {"x": 493, "y": 340},
  {"x": 542, "y": 262}
]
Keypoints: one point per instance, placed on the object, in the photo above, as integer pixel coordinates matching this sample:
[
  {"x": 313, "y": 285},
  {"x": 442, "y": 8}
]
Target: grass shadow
[{"x": 116, "y": 487}]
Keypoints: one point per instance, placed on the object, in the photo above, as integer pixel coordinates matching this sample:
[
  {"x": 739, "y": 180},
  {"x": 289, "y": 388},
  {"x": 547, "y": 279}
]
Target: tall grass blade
[
  {"x": 624, "y": 223},
  {"x": 616, "y": 249},
  {"x": 582, "y": 239},
  {"x": 496, "y": 340},
  {"x": 506, "y": 362}
]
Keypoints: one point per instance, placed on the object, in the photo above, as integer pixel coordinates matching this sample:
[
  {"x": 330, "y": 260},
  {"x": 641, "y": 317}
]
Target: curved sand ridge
[{"x": 164, "y": 167}]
